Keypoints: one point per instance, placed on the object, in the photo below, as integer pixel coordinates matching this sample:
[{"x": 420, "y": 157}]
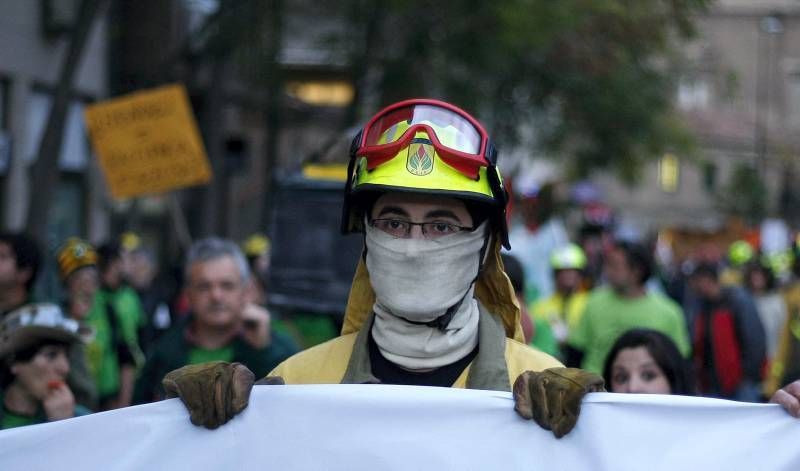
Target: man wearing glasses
[{"x": 430, "y": 304}]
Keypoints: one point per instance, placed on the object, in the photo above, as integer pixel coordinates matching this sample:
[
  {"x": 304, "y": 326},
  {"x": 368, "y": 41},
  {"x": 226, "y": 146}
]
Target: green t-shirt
[
  {"x": 10, "y": 419},
  {"x": 101, "y": 352},
  {"x": 101, "y": 355},
  {"x": 129, "y": 310},
  {"x": 607, "y": 316},
  {"x": 202, "y": 355},
  {"x": 543, "y": 338},
  {"x": 307, "y": 329}
]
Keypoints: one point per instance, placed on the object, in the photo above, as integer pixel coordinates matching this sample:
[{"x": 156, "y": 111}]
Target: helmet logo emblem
[{"x": 420, "y": 159}]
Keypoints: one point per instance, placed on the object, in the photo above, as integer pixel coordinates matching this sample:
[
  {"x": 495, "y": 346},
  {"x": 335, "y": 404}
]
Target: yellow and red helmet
[
  {"x": 424, "y": 146},
  {"x": 75, "y": 253}
]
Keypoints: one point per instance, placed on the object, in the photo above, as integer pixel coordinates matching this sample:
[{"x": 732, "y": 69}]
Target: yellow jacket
[
  {"x": 784, "y": 368},
  {"x": 553, "y": 311},
  {"x": 496, "y": 367}
]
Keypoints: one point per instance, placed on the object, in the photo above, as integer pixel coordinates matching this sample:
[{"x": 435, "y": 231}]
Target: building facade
[
  {"x": 738, "y": 91},
  {"x": 33, "y": 43}
]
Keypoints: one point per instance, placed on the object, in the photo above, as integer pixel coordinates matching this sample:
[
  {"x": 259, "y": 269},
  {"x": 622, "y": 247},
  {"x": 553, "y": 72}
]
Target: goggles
[{"x": 458, "y": 138}]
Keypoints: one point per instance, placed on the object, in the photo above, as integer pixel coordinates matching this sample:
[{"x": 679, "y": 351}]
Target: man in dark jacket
[
  {"x": 222, "y": 326},
  {"x": 729, "y": 342}
]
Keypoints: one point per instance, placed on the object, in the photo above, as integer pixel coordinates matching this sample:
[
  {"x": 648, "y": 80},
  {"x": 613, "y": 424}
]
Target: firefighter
[{"x": 430, "y": 304}]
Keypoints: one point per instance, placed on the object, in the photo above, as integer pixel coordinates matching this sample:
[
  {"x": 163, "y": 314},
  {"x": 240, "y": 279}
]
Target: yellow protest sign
[{"x": 148, "y": 142}]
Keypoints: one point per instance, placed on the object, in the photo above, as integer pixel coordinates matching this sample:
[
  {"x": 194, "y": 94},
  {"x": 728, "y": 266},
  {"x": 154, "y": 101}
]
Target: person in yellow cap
[
  {"x": 563, "y": 310},
  {"x": 129, "y": 244},
  {"x": 77, "y": 261},
  {"x": 77, "y": 266},
  {"x": 430, "y": 304},
  {"x": 256, "y": 249},
  {"x": 109, "y": 354}
]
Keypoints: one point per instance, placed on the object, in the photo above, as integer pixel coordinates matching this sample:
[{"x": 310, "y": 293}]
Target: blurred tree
[
  {"x": 240, "y": 41},
  {"x": 591, "y": 77},
  {"x": 743, "y": 196}
]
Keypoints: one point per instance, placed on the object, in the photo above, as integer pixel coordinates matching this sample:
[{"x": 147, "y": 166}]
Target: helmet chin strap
[{"x": 444, "y": 320}]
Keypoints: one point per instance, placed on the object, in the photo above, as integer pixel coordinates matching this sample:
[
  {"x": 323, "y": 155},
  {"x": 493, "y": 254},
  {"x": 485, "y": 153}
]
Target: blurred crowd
[
  {"x": 715, "y": 326},
  {"x": 119, "y": 328},
  {"x": 725, "y": 328}
]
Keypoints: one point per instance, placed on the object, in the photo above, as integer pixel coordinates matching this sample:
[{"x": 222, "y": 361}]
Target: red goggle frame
[{"x": 466, "y": 163}]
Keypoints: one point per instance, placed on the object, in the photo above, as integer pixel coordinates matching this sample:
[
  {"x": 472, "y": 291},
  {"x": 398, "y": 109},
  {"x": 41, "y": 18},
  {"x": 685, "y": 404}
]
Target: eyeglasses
[
  {"x": 460, "y": 141},
  {"x": 430, "y": 230}
]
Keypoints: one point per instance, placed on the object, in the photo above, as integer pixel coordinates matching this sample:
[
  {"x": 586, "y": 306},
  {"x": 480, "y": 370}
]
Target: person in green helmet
[
  {"x": 563, "y": 310},
  {"x": 430, "y": 304},
  {"x": 740, "y": 253}
]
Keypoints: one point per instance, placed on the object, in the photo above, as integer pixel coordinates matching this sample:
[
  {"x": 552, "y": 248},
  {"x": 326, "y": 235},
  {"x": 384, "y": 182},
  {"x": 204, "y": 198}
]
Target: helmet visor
[
  {"x": 458, "y": 138},
  {"x": 452, "y": 130}
]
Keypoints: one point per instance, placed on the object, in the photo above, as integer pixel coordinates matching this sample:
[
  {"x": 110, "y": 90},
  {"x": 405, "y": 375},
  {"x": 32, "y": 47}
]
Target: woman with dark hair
[
  {"x": 647, "y": 361},
  {"x": 34, "y": 364}
]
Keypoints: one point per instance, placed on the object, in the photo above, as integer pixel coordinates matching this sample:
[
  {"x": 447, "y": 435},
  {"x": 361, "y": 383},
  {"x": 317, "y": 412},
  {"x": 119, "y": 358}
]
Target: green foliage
[
  {"x": 745, "y": 194},
  {"x": 590, "y": 75}
]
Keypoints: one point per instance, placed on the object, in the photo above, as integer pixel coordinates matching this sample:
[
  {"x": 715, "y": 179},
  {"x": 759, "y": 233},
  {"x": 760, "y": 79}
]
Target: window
[
  {"x": 793, "y": 99},
  {"x": 199, "y": 11},
  {"x": 693, "y": 93},
  {"x": 75, "y": 153},
  {"x": 669, "y": 172},
  {"x": 67, "y": 218},
  {"x": 709, "y": 176},
  {"x": 58, "y": 17},
  {"x": 322, "y": 93}
]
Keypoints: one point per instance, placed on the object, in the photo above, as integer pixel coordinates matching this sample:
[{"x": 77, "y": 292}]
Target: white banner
[{"x": 395, "y": 427}]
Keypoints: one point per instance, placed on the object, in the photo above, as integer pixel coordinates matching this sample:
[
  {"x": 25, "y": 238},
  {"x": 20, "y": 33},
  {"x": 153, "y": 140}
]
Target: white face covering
[{"x": 419, "y": 280}]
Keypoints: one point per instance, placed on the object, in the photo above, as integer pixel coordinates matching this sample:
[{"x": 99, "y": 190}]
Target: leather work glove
[
  {"x": 553, "y": 397},
  {"x": 213, "y": 392}
]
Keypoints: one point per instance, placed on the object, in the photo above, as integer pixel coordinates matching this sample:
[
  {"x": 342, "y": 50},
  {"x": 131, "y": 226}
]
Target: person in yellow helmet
[
  {"x": 110, "y": 354},
  {"x": 257, "y": 249},
  {"x": 563, "y": 310},
  {"x": 430, "y": 304},
  {"x": 740, "y": 253}
]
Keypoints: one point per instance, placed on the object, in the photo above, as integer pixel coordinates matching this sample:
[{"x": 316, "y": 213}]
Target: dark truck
[{"x": 312, "y": 262}]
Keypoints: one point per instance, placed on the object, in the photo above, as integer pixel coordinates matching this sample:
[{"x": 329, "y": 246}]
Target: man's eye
[
  {"x": 392, "y": 225},
  {"x": 442, "y": 228}
]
